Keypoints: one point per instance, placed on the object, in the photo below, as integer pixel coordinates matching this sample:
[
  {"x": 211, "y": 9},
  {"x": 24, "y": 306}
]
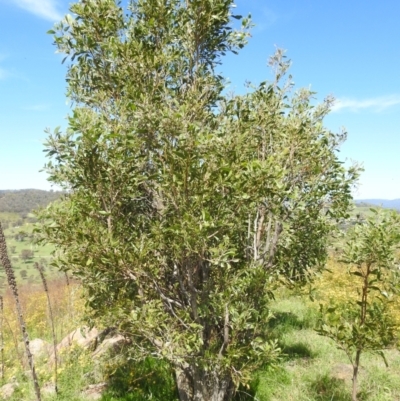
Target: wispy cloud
[
  {"x": 376, "y": 104},
  {"x": 268, "y": 19},
  {"x": 37, "y": 107},
  {"x": 3, "y": 73},
  {"x": 46, "y": 9}
]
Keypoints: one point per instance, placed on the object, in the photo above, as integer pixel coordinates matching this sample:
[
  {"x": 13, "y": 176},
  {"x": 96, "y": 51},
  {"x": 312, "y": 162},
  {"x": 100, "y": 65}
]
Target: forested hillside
[{"x": 25, "y": 200}]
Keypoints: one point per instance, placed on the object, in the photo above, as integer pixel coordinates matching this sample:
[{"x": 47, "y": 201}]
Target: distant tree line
[{"x": 25, "y": 200}]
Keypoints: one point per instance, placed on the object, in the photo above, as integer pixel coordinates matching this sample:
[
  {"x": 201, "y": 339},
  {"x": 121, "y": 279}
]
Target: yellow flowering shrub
[
  {"x": 67, "y": 306},
  {"x": 337, "y": 286}
]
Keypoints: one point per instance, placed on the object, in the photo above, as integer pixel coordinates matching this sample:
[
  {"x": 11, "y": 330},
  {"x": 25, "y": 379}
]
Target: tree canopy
[{"x": 187, "y": 207}]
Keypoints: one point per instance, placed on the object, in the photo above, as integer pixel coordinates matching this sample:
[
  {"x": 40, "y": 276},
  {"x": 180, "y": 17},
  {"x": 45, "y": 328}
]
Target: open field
[{"x": 312, "y": 368}]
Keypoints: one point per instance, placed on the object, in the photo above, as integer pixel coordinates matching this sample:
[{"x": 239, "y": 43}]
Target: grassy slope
[
  {"x": 314, "y": 369},
  {"x": 24, "y": 269},
  {"x": 310, "y": 367}
]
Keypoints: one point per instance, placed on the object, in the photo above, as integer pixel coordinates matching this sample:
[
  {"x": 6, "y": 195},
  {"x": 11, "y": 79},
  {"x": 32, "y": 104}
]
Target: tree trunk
[
  {"x": 355, "y": 375},
  {"x": 195, "y": 384},
  {"x": 184, "y": 384}
]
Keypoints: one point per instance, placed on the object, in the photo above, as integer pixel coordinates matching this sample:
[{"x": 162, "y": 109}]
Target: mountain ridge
[{"x": 386, "y": 203}]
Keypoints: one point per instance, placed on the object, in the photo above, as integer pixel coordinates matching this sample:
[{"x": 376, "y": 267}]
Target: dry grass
[{"x": 67, "y": 308}]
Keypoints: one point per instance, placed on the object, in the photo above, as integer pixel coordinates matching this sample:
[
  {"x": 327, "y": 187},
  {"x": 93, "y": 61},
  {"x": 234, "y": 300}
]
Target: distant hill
[
  {"x": 23, "y": 201},
  {"x": 390, "y": 204}
]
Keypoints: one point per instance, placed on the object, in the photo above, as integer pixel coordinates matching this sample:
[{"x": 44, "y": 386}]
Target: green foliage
[
  {"x": 366, "y": 324},
  {"x": 150, "y": 379},
  {"x": 26, "y": 254},
  {"x": 186, "y": 208}
]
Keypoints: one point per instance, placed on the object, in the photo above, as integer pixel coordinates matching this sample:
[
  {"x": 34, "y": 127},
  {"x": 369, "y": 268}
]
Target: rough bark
[
  {"x": 195, "y": 384},
  {"x": 184, "y": 385}
]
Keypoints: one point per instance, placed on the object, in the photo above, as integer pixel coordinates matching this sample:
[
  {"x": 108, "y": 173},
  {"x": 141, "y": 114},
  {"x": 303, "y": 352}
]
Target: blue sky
[{"x": 349, "y": 49}]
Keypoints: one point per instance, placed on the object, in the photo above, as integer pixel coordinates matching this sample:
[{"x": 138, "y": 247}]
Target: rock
[
  {"x": 7, "y": 390},
  {"x": 94, "y": 391},
  {"x": 83, "y": 336},
  {"x": 112, "y": 344},
  {"x": 39, "y": 347}
]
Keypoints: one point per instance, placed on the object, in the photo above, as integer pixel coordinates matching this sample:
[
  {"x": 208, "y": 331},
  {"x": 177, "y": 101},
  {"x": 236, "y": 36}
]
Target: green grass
[
  {"x": 24, "y": 269},
  {"x": 307, "y": 371}
]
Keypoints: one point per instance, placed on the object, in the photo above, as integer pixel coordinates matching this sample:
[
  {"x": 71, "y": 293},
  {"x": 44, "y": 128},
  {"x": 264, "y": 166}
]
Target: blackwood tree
[{"x": 184, "y": 206}]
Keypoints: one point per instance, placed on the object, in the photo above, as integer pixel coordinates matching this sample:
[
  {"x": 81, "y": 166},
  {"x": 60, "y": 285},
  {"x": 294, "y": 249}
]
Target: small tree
[
  {"x": 365, "y": 323},
  {"x": 21, "y": 235},
  {"x": 185, "y": 205},
  {"x": 26, "y": 254}
]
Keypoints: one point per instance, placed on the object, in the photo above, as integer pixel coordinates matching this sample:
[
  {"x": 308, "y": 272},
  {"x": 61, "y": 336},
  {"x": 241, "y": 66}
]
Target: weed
[
  {"x": 53, "y": 332},
  {"x": 327, "y": 388},
  {"x": 13, "y": 286}
]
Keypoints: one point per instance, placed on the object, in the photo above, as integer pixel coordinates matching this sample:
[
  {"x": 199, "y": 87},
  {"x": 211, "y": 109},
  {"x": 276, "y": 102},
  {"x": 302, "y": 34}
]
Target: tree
[
  {"x": 365, "y": 322},
  {"x": 185, "y": 207},
  {"x": 26, "y": 254},
  {"x": 21, "y": 235}
]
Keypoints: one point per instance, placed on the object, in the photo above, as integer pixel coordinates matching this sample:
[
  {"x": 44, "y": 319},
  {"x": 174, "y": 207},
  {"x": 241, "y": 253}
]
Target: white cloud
[
  {"x": 46, "y": 9},
  {"x": 376, "y": 104}
]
